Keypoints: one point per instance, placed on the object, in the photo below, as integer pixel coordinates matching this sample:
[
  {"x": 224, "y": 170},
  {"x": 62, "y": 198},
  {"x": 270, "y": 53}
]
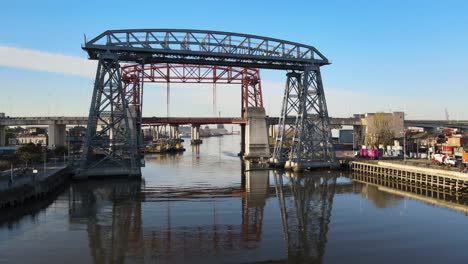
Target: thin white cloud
[
  {"x": 345, "y": 103},
  {"x": 46, "y": 61},
  {"x": 341, "y": 102}
]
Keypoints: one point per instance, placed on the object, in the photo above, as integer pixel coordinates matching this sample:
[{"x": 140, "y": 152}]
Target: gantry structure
[
  {"x": 249, "y": 78},
  {"x": 115, "y": 113}
]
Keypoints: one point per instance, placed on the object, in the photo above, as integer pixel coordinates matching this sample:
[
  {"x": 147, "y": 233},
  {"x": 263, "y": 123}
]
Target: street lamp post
[
  {"x": 404, "y": 144},
  {"x": 45, "y": 159},
  {"x": 68, "y": 147},
  {"x": 11, "y": 174}
]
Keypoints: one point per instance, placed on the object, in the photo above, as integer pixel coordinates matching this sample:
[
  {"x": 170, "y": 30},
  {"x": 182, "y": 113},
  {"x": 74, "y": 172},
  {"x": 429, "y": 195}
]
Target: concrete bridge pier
[
  {"x": 256, "y": 134},
  {"x": 56, "y": 135},
  {"x": 154, "y": 132},
  {"x": 174, "y": 132},
  {"x": 242, "y": 144},
  {"x": 271, "y": 131},
  {"x": 2, "y": 135},
  {"x": 195, "y": 135}
]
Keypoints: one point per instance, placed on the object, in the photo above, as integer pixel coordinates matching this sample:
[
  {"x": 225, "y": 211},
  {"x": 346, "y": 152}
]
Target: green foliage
[
  {"x": 8, "y": 136},
  {"x": 60, "y": 150},
  {"x": 383, "y": 133},
  {"x": 4, "y": 165},
  {"x": 29, "y": 152},
  {"x": 15, "y": 130}
]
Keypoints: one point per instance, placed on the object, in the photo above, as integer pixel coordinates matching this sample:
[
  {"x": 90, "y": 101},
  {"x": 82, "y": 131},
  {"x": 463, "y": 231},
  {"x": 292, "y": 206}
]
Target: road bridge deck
[{"x": 336, "y": 121}]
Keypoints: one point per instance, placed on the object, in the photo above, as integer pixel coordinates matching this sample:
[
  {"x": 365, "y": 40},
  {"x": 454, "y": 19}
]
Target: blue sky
[{"x": 386, "y": 55}]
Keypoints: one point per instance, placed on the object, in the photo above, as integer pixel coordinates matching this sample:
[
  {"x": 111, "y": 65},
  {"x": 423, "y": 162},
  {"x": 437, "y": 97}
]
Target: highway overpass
[{"x": 57, "y": 124}]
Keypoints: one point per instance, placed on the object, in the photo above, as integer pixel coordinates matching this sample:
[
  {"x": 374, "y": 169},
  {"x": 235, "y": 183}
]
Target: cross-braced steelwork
[
  {"x": 251, "y": 93},
  {"x": 289, "y": 109},
  {"x": 310, "y": 144},
  {"x": 305, "y": 206},
  {"x": 306, "y": 143},
  {"x": 186, "y": 73},
  {"x": 133, "y": 91},
  {"x": 111, "y": 133},
  {"x": 188, "y": 46}
]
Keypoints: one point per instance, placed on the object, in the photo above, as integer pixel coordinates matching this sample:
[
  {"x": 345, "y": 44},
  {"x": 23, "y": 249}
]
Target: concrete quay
[
  {"x": 27, "y": 187},
  {"x": 429, "y": 178}
]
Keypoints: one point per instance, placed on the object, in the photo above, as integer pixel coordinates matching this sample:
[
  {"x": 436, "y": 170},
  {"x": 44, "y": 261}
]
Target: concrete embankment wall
[
  {"x": 33, "y": 190},
  {"x": 413, "y": 175}
]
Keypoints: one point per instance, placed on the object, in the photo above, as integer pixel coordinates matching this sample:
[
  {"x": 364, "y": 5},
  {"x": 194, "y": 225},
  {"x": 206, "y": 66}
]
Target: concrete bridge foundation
[
  {"x": 2, "y": 135},
  {"x": 56, "y": 135},
  {"x": 195, "y": 135},
  {"x": 256, "y": 134}
]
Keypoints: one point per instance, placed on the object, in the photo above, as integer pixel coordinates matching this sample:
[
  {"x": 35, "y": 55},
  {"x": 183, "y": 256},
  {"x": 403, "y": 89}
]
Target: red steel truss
[{"x": 248, "y": 78}]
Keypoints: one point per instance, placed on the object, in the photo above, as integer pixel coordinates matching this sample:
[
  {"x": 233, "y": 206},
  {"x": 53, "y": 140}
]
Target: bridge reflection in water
[
  {"x": 305, "y": 204},
  {"x": 128, "y": 221},
  {"x": 117, "y": 231},
  {"x": 112, "y": 213}
]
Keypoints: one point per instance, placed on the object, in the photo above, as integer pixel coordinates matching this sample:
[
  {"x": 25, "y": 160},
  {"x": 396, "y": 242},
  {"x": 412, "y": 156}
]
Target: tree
[
  {"x": 9, "y": 135},
  {"x": 60, "y": 150},
  {"x": 29, "y": 152},
  {"x": 380, "y": 131}
]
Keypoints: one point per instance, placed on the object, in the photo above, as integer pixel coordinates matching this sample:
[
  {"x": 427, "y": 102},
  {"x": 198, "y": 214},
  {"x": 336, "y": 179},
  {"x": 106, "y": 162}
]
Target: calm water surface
[{"x": 204, "y": 206}]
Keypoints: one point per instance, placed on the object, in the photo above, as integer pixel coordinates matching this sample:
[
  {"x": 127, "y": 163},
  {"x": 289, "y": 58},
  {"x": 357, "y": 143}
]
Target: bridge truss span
[
  {"x": 200, "y": 56},
  {"x": 204, "y": 47}
]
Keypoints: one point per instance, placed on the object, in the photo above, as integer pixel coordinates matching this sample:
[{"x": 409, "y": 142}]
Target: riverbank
[
  {"x": 30, "y": 187},
  {"x": 428, "y": 177}
]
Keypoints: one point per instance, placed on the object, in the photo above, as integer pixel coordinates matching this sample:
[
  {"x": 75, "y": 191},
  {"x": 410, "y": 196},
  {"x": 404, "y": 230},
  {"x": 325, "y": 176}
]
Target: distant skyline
[{"x": 407, "y": 56}]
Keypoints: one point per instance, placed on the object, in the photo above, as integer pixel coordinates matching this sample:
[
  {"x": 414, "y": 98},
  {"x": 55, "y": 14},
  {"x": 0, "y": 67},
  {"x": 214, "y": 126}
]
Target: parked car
[{"x": 441, "y": 159}]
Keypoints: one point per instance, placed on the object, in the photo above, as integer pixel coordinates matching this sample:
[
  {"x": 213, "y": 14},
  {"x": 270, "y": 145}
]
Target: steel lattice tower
[
  {"x": 113, "y": 131},
  {"x": 111, "y": 140},
  {"x": 307, "y": 143},
  {"x": 289, "y": 109}
]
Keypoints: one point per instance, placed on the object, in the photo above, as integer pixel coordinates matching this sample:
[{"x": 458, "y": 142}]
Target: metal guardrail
[{"x": 24, "y": 176}]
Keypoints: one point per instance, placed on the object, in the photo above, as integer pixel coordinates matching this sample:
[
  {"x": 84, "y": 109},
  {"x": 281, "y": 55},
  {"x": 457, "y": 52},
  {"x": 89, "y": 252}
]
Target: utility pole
[
  {"x": 45, "y": 159},
  {"x": 68, "y": 146},
  {"x": 404, "y": 144},
  {"x": 11, "y": 173}
]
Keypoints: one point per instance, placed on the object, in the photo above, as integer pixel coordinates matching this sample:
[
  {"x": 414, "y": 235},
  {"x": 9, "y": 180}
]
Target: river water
[{"x": 205, "y": 206}]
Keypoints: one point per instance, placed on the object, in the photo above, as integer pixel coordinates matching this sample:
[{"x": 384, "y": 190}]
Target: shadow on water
[{"x": 11, "y": 216}]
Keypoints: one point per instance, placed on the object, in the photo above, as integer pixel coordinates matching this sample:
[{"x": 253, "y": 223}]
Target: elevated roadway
[
  {"x": 463, "y": 124},
  {"x": 82, "y": 121},
  {"x": 44, "y": 121},
  {"x": 335, "y": 121}
]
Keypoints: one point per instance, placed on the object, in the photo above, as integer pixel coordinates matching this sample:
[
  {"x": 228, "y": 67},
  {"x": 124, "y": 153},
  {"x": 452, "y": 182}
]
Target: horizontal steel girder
[{"x": 204, "y": 47}]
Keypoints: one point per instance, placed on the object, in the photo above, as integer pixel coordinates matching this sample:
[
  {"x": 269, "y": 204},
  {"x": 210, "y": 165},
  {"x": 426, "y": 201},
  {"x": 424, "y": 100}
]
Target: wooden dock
[{"x": 428, "y": 178}]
